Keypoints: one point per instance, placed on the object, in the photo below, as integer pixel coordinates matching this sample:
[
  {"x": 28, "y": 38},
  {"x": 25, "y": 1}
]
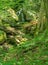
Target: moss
[{"x": 2, "y": 36}]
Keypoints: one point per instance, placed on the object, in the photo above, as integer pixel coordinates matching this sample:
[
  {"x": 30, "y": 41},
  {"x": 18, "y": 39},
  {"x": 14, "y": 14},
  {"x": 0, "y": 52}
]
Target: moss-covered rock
[{"x": 2, "y": 36}]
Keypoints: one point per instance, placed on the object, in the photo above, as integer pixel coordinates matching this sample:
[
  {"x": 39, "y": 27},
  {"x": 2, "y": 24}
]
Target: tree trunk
[{"x": 46, "y": 9}]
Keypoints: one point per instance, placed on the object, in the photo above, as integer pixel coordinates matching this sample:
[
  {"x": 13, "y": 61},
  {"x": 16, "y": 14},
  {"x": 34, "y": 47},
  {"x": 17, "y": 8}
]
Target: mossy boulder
[{"x": 2, "y": 36}]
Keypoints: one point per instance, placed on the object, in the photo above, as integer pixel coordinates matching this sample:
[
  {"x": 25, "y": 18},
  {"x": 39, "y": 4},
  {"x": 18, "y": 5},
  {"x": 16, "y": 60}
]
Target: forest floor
[
  {"x": 23, "y": 32},
  {"x": 32, "y": 52}
]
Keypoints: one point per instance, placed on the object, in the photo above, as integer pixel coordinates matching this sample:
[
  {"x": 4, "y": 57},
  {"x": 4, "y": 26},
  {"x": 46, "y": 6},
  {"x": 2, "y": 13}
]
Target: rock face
[{"x": 2, "y": 36}]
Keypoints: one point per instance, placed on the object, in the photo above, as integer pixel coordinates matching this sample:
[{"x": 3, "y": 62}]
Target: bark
[{"x": 46, "y": 9}]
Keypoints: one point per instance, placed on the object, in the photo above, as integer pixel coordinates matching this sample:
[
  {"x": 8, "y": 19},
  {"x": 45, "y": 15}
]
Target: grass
[{"x": 32, "y": 52}]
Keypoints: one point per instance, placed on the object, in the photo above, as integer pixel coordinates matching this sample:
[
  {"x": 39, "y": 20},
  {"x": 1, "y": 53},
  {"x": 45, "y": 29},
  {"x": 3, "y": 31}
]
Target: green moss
[{"x": 2, "y": 36}]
